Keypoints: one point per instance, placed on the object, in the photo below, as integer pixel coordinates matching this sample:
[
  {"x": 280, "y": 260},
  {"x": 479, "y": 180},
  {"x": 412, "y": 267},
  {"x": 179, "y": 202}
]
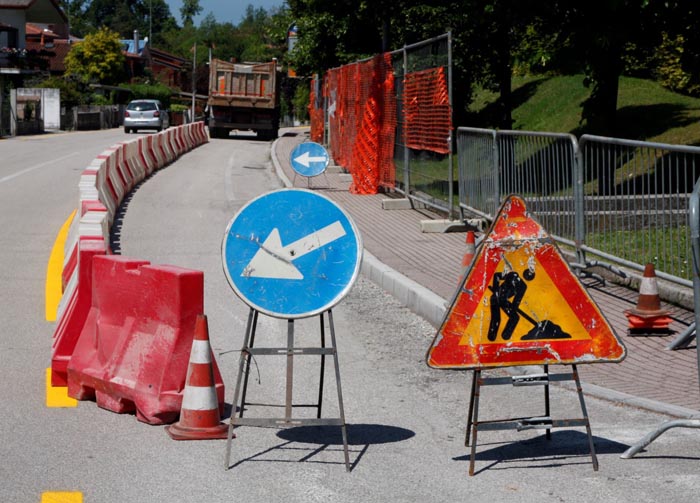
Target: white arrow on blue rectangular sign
[
  {"x": 291, "y": 253},
  {"x": 309, "y": 159}
]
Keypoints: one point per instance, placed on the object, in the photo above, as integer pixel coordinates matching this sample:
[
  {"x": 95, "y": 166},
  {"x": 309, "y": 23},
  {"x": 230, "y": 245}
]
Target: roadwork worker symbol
[{"x": 507, "y": 292}]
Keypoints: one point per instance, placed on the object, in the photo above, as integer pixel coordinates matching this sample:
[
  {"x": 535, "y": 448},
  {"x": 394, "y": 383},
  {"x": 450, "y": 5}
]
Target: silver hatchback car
[{"x": 145, "y": 114}]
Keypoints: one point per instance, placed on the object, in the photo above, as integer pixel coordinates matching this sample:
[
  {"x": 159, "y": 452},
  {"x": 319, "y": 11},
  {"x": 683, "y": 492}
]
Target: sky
[{"x": 231, "y": 11}]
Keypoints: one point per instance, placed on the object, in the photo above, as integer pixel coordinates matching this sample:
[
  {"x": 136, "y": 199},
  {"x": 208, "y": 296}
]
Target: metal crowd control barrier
[
  {"x": 477, "y": 159},
  {"x": 694, "y": 224},
  {"x": 540, "y": 167},
  {"x": 616, "y": 201},
  {"x": 636, "y": 196}
]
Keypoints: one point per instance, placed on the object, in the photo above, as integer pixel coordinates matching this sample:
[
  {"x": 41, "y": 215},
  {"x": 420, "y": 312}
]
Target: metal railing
[
  {"x": 636, "y": 203},
  {"x": 616, "y": 201},
  {"x": 694, "y": 223}
]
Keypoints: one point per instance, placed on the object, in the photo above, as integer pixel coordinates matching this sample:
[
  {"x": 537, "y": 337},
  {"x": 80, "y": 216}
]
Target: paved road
[{"x": 406, "y": 421}]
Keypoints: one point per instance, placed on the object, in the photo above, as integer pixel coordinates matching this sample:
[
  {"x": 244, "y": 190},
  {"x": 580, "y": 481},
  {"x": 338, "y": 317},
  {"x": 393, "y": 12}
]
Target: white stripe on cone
[
  {"x": 199, "y": 398},
  {"x": 648, "y": 287},
  {"x": 201, "y": 352}
]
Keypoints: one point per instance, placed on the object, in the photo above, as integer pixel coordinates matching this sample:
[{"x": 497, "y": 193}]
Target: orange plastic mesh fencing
[
  {"x": 426, "y": 105},
  {"x": 362, "y": 121},
  {"x": 315, "y": 116},
  {"x": 373, "y": 150}
]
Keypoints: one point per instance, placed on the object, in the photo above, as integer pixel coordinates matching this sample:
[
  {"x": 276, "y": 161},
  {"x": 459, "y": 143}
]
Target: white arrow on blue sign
[
  {"x": 291, "y": 253},
  {"x": 309, "y": 159}
]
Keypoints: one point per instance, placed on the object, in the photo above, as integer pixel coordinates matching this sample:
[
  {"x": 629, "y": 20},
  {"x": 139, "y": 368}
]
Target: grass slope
[{"x": 646, "y": 110}]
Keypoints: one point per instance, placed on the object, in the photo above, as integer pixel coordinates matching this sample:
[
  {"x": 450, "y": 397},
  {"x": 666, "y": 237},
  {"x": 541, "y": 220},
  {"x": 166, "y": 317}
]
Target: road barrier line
[
  {"x": 62, "y": 497},
  {"x": 53, "y": 289},
  {"x": 57, "y": 396}
]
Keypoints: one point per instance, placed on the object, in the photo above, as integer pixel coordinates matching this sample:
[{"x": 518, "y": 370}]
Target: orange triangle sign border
[{"x": 521, "y": 304}]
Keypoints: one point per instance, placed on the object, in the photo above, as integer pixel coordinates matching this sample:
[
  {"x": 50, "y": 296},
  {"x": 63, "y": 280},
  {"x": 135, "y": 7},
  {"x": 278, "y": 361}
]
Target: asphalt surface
[
  {"x": 406, "y": 422},
  {"x": 422, "y": 271}
]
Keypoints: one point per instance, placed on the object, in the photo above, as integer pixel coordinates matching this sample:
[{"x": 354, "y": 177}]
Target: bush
[
  {"x": 150, "y": 91},
  {"x": 73, "y": 92},
  {"x": 670, "y": 71}
]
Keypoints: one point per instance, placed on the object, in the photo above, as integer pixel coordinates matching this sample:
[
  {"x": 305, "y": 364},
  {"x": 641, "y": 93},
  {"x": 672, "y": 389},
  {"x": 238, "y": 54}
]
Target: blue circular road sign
[
  {"x": 309, "y": 159},
  {"x": 291, "y": 253}
]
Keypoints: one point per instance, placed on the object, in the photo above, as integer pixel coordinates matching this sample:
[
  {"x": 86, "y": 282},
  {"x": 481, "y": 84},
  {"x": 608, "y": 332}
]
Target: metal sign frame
[
  {"x": 290, "y": 351},
  {"x": 474, "y": 425}
]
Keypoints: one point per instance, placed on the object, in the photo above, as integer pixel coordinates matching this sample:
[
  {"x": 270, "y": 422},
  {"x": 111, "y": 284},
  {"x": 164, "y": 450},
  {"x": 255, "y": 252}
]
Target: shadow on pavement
[
  {"x": 327, "y": 439},
  {"x": 358, "y": 434},
  {"x": 565, "y": 448}
]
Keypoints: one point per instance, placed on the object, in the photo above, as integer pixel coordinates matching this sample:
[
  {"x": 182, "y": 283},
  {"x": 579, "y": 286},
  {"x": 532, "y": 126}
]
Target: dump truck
[{"x": 243, "y": 96}]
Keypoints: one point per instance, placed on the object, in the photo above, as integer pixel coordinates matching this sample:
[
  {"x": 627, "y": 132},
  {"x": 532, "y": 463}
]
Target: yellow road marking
[
  {"x": 62, "y": 497},
  {"x": 53, "y": 290},
  {"x": 57, "y": 396}
]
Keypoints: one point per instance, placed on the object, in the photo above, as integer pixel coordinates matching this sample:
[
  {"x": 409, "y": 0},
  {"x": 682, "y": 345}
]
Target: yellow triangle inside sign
[{"x": 534, "y": 310}]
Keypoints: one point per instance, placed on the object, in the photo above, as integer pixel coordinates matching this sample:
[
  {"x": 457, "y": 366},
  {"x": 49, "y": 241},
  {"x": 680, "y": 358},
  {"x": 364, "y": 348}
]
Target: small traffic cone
[
  {"x": 648, "y": 315},
  {"x": 469, "y": 253},
  {"x": 199, "y": 415}
]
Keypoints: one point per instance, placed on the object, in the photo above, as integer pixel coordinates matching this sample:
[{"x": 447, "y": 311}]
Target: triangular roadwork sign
[{"x": 520, "y": 304}]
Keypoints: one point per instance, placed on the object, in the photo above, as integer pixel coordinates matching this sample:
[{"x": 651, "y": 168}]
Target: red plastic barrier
[
  {"x": 165, "y": 145},
  {"x": 200, "y": 134},
  {"x": 159, "y": 150},
  {"x": 71, "y": 322},
  {"x": 110, "y": 180},
  {"x": 134, "y": 162},
  {"x": 183, "y": 138},
  {"x": 71, "y": 251},
  {"x": 133, "y": 351},
  {"x": 190, "y": 135},
  {"x": 105, "y": 191},
  {"x": 194, "y": 134},
  {"x": 125, "y": 170},
  {"x": 171, "y": 135},
  {"x": 147, "y": 155},
  {"x": 87, "y": 186},
  {"x": 119, "y": 182}
]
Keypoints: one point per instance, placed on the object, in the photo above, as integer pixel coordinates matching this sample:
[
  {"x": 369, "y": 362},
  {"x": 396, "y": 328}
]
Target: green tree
[
  {"x": 189, "y": 9},
  {"x": 122, "y": 16},
  {"x": 334, "y": 32},
  {"x": 678, "y": 58},
  {"x": 75, "y": 10},
  {"x": 252, "y": 31},
  {"x": 98, "y": 58}
]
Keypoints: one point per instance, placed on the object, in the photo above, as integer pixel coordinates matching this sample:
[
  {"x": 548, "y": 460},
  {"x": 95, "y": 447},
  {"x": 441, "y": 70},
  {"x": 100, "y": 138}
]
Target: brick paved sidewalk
[{"x": 650, "y": 376}]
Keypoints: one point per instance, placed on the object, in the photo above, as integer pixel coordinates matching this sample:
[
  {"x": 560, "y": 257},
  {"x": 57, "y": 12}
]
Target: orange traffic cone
[
  {"x": 469, "y": 253},
  {"x": 199, "y": 415},
  {"x": 648, "y": 315}
]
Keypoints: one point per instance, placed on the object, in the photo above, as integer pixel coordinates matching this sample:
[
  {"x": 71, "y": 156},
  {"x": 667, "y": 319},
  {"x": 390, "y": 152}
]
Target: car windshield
[{"x": 141, "y": 106}]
